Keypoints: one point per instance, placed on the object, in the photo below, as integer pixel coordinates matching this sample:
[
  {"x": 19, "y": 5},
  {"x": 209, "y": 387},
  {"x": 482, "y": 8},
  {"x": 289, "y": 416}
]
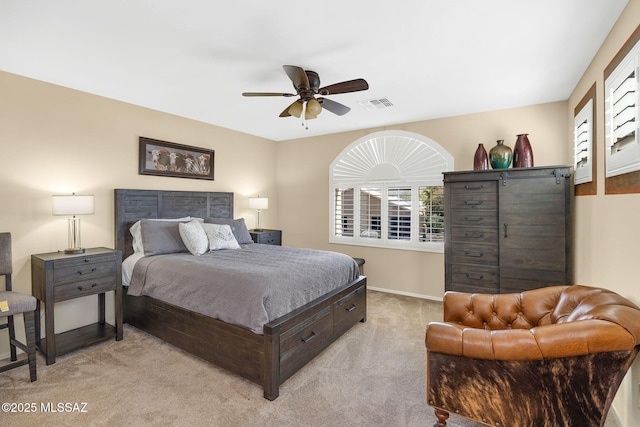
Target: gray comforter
[{"x": 248, "y": 287}]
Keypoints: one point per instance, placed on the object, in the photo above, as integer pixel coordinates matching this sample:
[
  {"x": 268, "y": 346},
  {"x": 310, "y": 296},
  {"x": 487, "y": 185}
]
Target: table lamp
[{"x": 73, "y": 205}]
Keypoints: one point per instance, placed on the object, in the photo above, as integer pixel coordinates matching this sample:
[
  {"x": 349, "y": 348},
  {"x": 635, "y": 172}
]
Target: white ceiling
[{"x": 194, "y": 58}]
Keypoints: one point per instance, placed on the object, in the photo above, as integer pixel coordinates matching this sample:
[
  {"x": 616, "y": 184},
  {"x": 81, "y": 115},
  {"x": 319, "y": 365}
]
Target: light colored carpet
[{"x": 372, "y": 376}]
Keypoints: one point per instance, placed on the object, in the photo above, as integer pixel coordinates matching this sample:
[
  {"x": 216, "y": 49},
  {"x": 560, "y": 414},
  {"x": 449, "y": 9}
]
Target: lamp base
[{"x": 74, "y": 251}]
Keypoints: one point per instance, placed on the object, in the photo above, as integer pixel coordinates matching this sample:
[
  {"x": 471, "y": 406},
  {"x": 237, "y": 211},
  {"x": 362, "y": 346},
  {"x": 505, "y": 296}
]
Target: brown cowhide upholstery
[{"x": 553, "y": 356}]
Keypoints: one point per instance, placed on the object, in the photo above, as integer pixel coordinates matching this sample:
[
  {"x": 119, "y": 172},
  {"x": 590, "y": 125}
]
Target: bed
[{"x": 286, "y": 343}]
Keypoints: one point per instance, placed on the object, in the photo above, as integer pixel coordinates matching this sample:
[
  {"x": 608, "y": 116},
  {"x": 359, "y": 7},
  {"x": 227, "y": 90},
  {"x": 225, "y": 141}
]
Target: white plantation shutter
[
  {"x": 397, "y": 177},
  {"x": 621, "y": 116},
  {"x": 583, "y": 144}
]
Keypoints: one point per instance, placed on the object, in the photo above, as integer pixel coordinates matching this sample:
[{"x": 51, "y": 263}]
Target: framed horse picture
[{"x": 164, "y": 158}]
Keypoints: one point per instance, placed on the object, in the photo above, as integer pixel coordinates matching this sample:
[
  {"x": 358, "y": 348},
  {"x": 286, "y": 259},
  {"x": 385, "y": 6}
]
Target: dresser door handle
[
  {"x": 505, "y": 229},
  {"x": 309, "y": 338},
  {"x": 353, "y": 307}
]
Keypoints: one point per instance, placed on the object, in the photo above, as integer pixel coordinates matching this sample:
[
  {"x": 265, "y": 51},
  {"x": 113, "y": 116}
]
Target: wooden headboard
[{"x": 132, "y": 205}]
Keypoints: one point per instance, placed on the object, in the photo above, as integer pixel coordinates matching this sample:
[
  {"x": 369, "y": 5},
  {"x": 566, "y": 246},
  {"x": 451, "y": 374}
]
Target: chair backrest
[{"x": 5, "y": 259}]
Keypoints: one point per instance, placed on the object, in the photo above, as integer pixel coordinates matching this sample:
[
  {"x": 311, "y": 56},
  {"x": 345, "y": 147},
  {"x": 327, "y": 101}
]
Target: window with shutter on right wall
[{"x": 622, "y": 121}]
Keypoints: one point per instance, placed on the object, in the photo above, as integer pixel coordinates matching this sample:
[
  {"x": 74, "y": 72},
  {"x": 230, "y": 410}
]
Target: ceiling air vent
[{"x": 376, "y": 104}]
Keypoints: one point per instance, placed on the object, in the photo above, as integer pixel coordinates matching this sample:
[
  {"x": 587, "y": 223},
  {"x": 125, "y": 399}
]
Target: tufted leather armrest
[{"x": 545, "y": 323}]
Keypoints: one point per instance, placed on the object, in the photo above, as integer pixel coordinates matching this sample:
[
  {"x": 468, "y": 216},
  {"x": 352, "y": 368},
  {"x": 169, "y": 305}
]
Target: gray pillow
[
  {"x": 161, "y": 237},
  {"x": 238, "y": 227}
]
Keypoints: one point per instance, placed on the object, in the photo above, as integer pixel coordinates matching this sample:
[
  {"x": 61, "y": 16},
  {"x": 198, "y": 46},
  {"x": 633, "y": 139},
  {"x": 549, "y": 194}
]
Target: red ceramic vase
[
  {"x": 480, "y": 159},
  {"x": 522, "y": 153}
]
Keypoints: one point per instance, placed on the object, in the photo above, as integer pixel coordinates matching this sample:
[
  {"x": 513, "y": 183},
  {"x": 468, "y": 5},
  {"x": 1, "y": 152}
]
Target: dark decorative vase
[
  {"x": 500, "y": 156},
  {"x": 480, "y": 159},
  {"x": 522, "y": 154}
]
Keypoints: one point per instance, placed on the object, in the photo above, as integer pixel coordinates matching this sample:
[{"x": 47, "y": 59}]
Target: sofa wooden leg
[{"x": 442, "y": 417}]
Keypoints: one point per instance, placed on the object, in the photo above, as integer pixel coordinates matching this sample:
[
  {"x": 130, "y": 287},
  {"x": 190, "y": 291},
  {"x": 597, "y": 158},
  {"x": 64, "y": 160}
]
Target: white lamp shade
[
  {"x": 73, "y": 205},
  {"x": 258, "y": 203}
]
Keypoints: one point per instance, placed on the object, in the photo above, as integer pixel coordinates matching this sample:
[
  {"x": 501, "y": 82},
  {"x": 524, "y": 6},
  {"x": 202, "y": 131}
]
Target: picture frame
[{"x": 163, "y": 158}]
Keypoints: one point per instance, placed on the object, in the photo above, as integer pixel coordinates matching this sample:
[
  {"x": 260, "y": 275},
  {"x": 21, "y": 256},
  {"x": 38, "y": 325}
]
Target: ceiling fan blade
[
  {"x": 297, "y": 76},
  {"x": 333, "y": 106},
  {"x": 344, "y": 87},
  {"x": 267, "y": 94}
]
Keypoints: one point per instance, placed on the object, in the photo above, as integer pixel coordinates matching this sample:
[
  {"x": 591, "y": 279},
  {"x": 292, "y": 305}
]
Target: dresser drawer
[
  {"x": 476, "y": 201},
  {"x": 472, "y": 187},
  {"x": 83, "y": 271},
  {"x": 473, "y": 253},
  {"x": 475, "y": 275},
  {"x": 486, "y": 218},
  {"x": 349, "y": 309},
  {"x": 474, "y": 234},
  {"x": 82, "y": 288}
]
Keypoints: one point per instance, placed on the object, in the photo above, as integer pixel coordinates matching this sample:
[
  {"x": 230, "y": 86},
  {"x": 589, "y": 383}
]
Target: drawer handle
[
  {"x": 474, "y": 276},
  {"x": 475, "y": 234},
  {"x": 473, "y": 218},
  {"x": 87, "y": 260},
  {"x": 353, "y": 307},
  {"x": 474, "y": 254},
  {"x": 309, "y": 338},
  {"x": 468, "y": 187},
  {"x": 92, "y": 271},
  {"x": 80, "y": 288},
  {"x": 473, "y": 202}
]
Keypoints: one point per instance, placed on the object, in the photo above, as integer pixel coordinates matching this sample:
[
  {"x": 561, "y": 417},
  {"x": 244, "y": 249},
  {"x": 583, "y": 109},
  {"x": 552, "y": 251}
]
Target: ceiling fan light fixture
[
  {"x": 313, "y": 107},
  {"x": 296, "y": 109}
]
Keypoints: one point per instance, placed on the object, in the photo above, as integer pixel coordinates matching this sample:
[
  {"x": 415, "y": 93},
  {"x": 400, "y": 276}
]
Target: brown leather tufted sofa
[{"x": 553, "y": 356}]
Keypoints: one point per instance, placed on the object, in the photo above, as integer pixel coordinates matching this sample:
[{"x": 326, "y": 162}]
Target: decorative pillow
[
  {"x": 194, "y": 237},
  {"x": 238, "y": 227},
  {"x": 161, "y": 237},
  {"x": 220, "y": 237},
  {"x": 137, "y": 234}
]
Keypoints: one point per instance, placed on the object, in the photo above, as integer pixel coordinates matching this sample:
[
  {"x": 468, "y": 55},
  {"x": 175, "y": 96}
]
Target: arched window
[{"x": 386, "y": 191}]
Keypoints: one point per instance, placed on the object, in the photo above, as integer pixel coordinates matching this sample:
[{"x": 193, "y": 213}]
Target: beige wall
[
  {"x": 303, "y": 184},
  {"x": 56, "y": 140},
  {"x": 607, "y": 227}
]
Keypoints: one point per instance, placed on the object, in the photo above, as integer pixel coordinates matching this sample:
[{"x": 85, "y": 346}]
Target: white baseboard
[{"x": 407, "y": 294}]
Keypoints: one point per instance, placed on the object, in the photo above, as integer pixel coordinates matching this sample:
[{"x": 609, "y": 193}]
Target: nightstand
[
  {"x": 56, "y": 277},
  {"x": 267, "y": 237}
]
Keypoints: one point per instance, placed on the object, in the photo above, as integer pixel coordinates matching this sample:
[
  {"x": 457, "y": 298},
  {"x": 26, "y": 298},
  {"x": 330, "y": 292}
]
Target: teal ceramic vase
[{"x": 500, "y": 156}]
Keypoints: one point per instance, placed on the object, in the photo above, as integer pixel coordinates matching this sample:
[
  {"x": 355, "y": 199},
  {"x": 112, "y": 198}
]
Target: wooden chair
[
  {"x": 12, "y": 303},
  {"x": 549, "y": 357}
]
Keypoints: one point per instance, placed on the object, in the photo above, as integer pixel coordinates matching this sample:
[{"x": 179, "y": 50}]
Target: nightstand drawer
[
  {"x": 82, "y": 271},
  {"x": 82, "y": 288},
  {"x": 267, "y": 237}
]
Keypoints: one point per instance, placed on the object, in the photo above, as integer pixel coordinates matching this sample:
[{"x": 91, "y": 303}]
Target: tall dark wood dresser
[{"x": 508, "y": 230}]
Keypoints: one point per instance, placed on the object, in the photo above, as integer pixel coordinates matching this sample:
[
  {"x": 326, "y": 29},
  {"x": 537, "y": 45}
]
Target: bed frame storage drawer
[
  {"x": 304, "y": 341},
  {"x": 349, "y": 310}
]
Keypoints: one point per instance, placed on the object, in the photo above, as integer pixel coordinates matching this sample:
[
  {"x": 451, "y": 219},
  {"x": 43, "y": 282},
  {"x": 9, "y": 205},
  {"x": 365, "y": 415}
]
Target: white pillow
[
  {"x": 194, "y": 237},
  {"x": 136, "y": 232},
  {"x": 220, "y": 236}
]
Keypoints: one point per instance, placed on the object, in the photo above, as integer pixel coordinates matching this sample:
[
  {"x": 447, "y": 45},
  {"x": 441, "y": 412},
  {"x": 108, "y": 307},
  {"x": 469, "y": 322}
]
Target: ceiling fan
[{"x": 307, "y": 86}]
